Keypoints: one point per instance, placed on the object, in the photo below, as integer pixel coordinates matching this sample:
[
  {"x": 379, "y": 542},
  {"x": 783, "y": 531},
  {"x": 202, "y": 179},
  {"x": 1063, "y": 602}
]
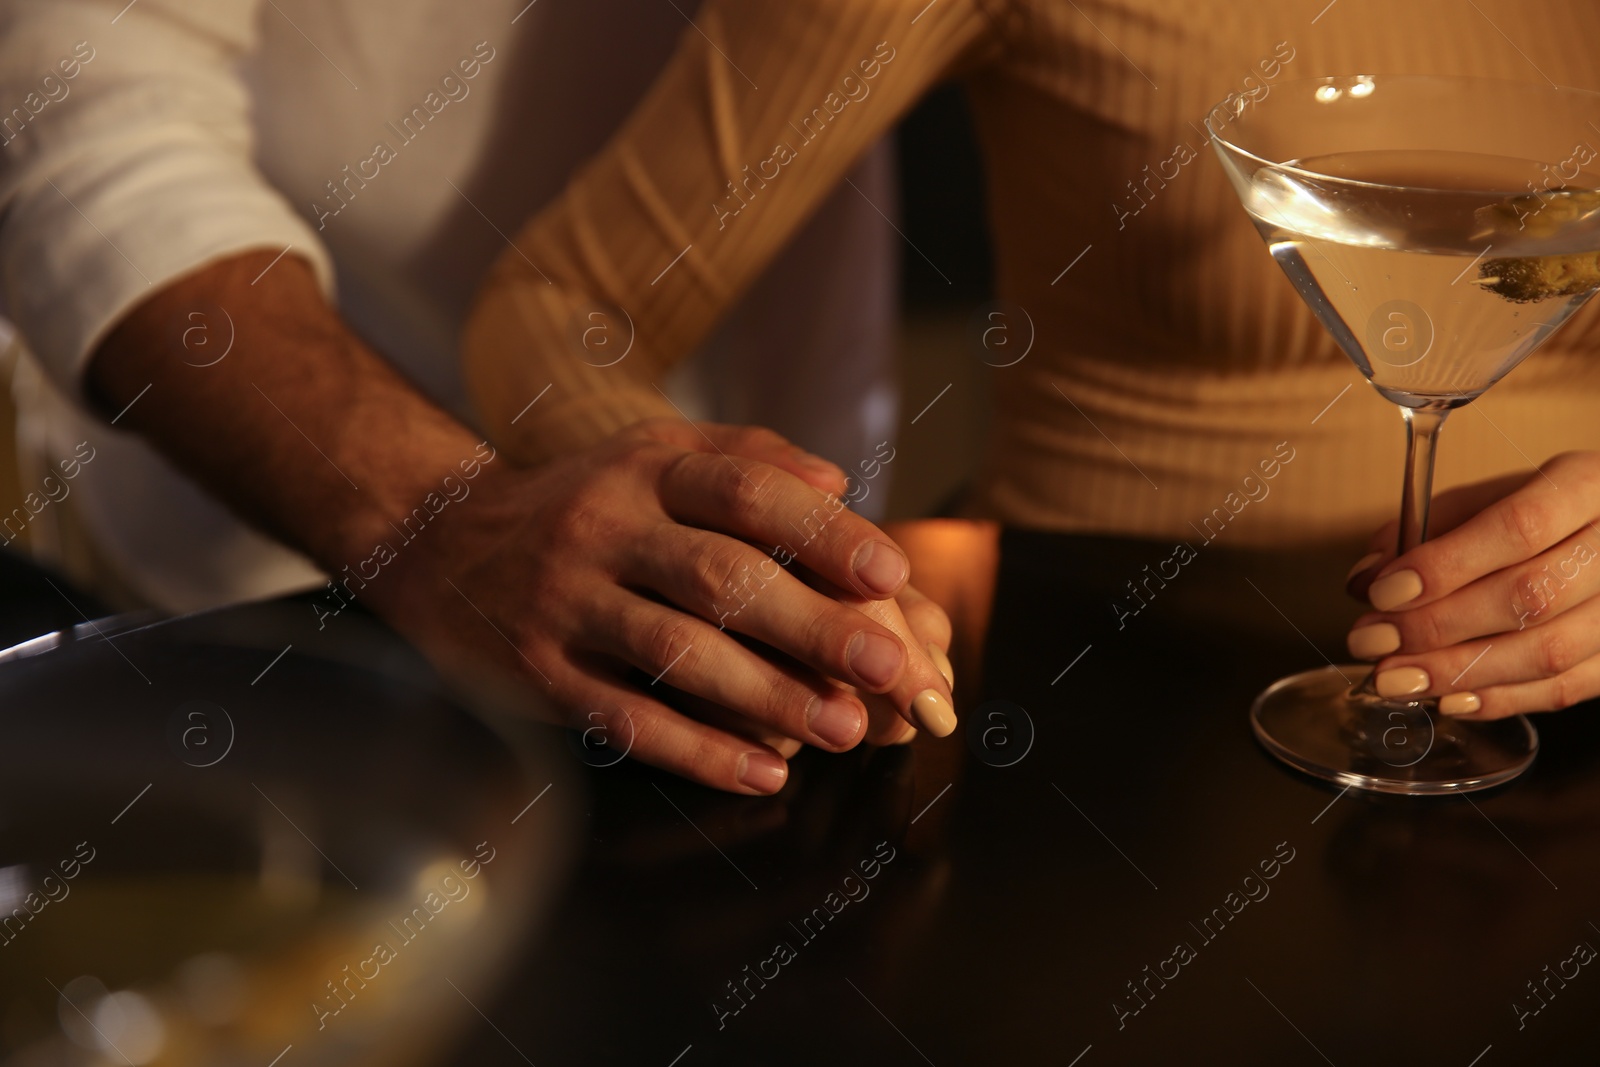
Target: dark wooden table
[{"x": 1100, "y": 867}]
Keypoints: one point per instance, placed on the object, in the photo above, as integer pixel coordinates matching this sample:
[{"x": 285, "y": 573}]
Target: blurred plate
[{"x": 232, "y": 837}]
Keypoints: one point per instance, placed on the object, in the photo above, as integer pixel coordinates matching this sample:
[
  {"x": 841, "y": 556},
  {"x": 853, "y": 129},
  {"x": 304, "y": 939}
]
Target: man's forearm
[
  {"x": 551, "y": 584},
  {"x": 300, "y": 427}
]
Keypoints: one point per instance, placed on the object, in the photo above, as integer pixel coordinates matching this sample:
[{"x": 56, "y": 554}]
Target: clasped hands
[
  {"x": 1497, "y": 614},
  {"x": 699, "y": 594}
]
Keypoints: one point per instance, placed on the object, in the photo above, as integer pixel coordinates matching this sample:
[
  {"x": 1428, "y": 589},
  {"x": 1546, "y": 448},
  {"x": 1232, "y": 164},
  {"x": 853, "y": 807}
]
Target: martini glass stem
[{"x": 1422, "y": 435}]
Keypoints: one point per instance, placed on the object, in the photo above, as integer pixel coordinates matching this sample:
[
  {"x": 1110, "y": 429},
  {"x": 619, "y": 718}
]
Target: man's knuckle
[
  {"x": 717, "y": 571},
  {"x": 677, "y": 467},
  {"x": 633, "y": 727},
  {"x": 665, "y": 640},
  {"x": 582, "y": 517},
  {"x": 747, "y": 491},
  {"x": 649, "y": 455}
]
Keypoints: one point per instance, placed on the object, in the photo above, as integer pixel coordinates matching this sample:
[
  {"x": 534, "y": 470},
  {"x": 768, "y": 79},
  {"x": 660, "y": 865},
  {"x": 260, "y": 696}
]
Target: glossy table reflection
[
  {"x": 1103, "y": 804},
  {"x": 1031, "y": 886}
]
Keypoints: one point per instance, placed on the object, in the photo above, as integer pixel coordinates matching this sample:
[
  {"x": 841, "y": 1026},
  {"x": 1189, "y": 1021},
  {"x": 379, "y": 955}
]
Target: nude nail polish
[
  {"x": 1459, "y": 704},
  {"x": 1374, "y": 641},
  {"x": 933, "y": 713},
  {"x": 942, "y": 661},
  {"x": 1393, "y": 590},
  {"x": 1363, "y": 563},
  {"x": 1402, "y": 681}
]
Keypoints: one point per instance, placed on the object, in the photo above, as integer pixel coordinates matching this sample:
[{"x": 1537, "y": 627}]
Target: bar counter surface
[{"x": 1101, "y": 866}]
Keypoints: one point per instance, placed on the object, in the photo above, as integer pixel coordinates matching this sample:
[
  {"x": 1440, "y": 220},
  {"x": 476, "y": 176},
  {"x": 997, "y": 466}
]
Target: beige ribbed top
[{"x": 1171, "y": 357}]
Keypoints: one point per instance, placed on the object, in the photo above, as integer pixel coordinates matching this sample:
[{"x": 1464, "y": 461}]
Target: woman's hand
[
  {"x": 1498, "y": 613},
  {"x": 925, "y": 629}
]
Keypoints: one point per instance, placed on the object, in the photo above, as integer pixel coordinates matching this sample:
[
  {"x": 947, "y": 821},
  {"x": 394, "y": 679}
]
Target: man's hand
[
  {"x": 610, "y": 576},
  {"x": 639, "y": 554}
]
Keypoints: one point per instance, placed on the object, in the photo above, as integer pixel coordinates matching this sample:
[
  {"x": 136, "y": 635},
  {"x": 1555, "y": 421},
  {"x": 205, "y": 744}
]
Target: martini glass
[{"x": 1440, "y": 228}]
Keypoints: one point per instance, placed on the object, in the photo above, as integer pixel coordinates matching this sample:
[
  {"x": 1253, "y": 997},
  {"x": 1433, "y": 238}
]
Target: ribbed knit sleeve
[{"x": 760, "y": 113}]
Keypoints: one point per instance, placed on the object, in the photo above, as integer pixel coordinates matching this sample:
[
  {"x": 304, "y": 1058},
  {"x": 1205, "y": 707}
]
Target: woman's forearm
[{"x": 635, "y": 264}]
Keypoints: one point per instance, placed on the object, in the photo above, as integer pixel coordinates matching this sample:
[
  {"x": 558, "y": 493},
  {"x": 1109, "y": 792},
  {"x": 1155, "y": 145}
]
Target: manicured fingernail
[
  {"x": 1459, "y": 704},
  {"x": 1402, "y": 681},
  {"x": 942, "y": 661},
  {"x": 1374, "y": 641},
  {"x": 762, "y": 771},
  {"x": 881, "y": 567},
  {"x": 835, "y": 718},
  {"x": 1392, "y": 590},
  {"x": 906, "y": 738},
  {"x": 933, "y": 713},
  {"x": 1363, "y": 563},
  {"x": 876, "y": 659}
]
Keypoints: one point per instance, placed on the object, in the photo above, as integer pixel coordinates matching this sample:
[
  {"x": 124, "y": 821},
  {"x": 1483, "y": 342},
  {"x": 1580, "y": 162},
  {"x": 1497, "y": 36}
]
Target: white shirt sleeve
[{"x": 125, "y": 163}]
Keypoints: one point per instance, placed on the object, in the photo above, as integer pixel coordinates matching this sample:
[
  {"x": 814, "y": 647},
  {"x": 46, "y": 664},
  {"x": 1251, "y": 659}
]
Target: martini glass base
[{"x": 1315, "y": 723}]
